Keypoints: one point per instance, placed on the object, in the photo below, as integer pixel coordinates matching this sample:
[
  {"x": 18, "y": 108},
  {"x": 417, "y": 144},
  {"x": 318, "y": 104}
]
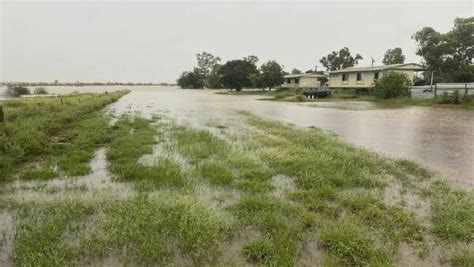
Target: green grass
[
  {"x": 132, "y": 138},
  {"x": 34, "y": 128},
  {"x": 331, "y": 193},
  {"x": 46, "y": 233},
  {"x": 147, "y": 231},
  {"x": 452, "y": 213},
  {"x": 352, "y": 244},
  {"x": 38, "y": 174},
  {"x": 139, "y": 230}
]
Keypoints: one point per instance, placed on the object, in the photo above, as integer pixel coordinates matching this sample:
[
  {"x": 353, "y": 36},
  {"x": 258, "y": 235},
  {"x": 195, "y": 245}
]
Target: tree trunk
[{"x": 2, "y": 115}]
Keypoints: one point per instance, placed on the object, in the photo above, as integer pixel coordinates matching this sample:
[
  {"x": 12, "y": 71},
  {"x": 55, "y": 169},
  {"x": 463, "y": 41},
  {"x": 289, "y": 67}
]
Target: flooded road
[{"x": 441, "y": 139}]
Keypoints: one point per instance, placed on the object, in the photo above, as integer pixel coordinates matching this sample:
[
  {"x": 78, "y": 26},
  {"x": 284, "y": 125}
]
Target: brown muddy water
[{"x": 439, "y": 138}]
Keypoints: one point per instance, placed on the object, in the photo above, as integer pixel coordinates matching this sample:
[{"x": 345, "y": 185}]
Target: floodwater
[{"x": 439, "y": 138}]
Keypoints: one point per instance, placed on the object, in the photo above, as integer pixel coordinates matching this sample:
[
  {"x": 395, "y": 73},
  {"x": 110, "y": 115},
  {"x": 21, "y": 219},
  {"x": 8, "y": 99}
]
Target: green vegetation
[
  {"x": 234, "y": 74},
  {"x": 449, "y": 54},
  {"x": 392, "y": 85},
  {"x": 17, "y": 90},
  {"x": 62, "y": 131},
  {"x": 257, "y": 196},
  {"x": 132, "y": 138},
  {"x": 393, "y": 56},
  {"x": 341, "y": 59}
]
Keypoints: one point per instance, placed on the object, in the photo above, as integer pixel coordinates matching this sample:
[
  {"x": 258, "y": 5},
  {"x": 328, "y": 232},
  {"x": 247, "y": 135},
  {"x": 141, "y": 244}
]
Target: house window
[
  {"x": 297, "y": 80},
  {"x": 376, "y": 75},
  {"x": 288, "y": 81},
  {"x": 359, "y": 76},
  {"x": 344, "y": 77}
]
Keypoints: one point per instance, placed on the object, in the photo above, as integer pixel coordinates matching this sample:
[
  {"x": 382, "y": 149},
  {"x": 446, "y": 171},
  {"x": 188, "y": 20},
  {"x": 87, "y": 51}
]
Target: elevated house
[
  {"x": 365, "y": 77},
  {"x": 304, "y": 80}
]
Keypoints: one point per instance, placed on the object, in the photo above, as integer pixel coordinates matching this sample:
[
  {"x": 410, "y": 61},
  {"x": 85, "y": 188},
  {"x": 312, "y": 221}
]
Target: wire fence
[{"x": 432, "y": 91}]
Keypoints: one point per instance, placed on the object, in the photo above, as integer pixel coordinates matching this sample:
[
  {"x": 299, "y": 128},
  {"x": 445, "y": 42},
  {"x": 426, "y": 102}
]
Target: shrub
[
  {"x": 447, "y": 98},
  {"x": 40, "y": 91},
  {"x": 392, "y": 85},
  {"x": 17, "y": 90}
]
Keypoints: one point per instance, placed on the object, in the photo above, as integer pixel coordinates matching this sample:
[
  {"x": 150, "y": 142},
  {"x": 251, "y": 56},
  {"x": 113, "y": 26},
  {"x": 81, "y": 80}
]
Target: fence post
[
  {"x": 465, "y": 90},
  {"x": 436, "y": 89},
  {"x": 2, "y": 115}
]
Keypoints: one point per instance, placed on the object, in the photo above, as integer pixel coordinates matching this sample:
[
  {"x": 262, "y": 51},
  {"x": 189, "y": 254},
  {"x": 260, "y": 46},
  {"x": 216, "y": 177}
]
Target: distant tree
[
  {"x": 450, "y": 54},
  {"x": 393, "y": 56},
  {"x": 256, "y": 80},
  {"x": 252, "y": 59},
  {"x": 17, "y": 90},
  {"x": 340, "y": 59},
  {"x": 190, "y": 79},
  {"x": 309, "y": 71},
  {"x": 213, "y": 80},
  {"x": 206, "y": 61},
  {"x": 296, "y": 71},
  {"x": 235, "y": 74},
  {"x": 271, "y": 74},
  {"x": 208, "y": 66}
]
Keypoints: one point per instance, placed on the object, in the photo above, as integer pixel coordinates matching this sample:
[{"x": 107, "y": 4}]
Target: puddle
[
  {"x": 7, "y": 235},
  {"x": 92, "y": 185},
  {"x": 282, "y": 185}
]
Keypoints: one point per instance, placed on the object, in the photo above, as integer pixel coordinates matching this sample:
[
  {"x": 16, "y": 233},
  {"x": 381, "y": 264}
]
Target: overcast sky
[{"x": 156, "y": 41}]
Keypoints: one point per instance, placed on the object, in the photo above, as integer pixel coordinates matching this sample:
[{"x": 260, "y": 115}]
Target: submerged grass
[
  {"x": 132, "y": 138},
  {"x": 34, "y": 129}
]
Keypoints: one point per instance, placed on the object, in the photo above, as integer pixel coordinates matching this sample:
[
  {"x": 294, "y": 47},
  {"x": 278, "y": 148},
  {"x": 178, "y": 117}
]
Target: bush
[
  {"x": 447, "y": 98},
  {"x": 392, "y": 85},
  {"x": 17, "y": 90},
  {"x": 40, "y": 91}
]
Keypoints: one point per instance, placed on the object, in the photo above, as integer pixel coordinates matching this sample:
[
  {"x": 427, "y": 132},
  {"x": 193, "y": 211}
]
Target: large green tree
[
  {"x": 393, "y": 56},
  {"x": 449, "y": 54},
  {"x": 208, "y": 67},
  {"x": 236, "y": 74},
  {"x": 252, "y": 59},
  {"x": 271, "y": 74},
  {"x": 190, "y": 79},
  {"x": 341, "y": 59}
]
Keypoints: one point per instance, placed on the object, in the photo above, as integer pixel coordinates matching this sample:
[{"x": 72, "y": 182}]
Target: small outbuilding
[
  {"x": 304, "y": 80},
  {"x": 365, "y": 77}
]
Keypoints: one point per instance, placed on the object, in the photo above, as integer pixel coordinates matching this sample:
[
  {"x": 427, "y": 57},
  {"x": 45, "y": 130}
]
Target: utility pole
[{"x": 431, "y": 84}]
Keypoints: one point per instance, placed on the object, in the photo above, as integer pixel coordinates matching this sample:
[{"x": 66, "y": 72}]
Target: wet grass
[
  {"x": 47, "y": 233},
  {"x": 132, "y": 138},
  {"x": 290, "y": 187},
  {"x": 452, "y": 213},
  {"x": 140, "y": 230},
  {"x": 34, "y": 128}
]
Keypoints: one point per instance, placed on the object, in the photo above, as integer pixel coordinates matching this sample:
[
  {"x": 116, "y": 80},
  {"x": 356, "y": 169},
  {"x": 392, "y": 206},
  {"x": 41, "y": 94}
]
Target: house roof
[
  {"x": 405, "y": 66},
  {"x": 306, "y": 75}
]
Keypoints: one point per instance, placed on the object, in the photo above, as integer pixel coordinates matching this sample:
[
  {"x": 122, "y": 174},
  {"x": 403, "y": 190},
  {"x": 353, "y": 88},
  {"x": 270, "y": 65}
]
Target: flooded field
[
  {"x": 436, "y": 137},
  {"x": 184, "y": 177}
]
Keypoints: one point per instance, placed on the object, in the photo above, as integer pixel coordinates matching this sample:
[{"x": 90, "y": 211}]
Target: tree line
[
  {"x": 449, "y": 55},
  {"x": 233, "y": 74}
]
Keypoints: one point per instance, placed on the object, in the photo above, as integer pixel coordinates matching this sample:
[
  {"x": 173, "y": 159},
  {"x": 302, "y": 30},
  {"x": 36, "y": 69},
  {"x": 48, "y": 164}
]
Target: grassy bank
[
  {"x": 254, "y": 193},
  {"x": 52, "y": 131}
]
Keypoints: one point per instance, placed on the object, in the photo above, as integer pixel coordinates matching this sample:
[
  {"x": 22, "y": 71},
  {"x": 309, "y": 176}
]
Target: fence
[{"x": 430, "y": 91}]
